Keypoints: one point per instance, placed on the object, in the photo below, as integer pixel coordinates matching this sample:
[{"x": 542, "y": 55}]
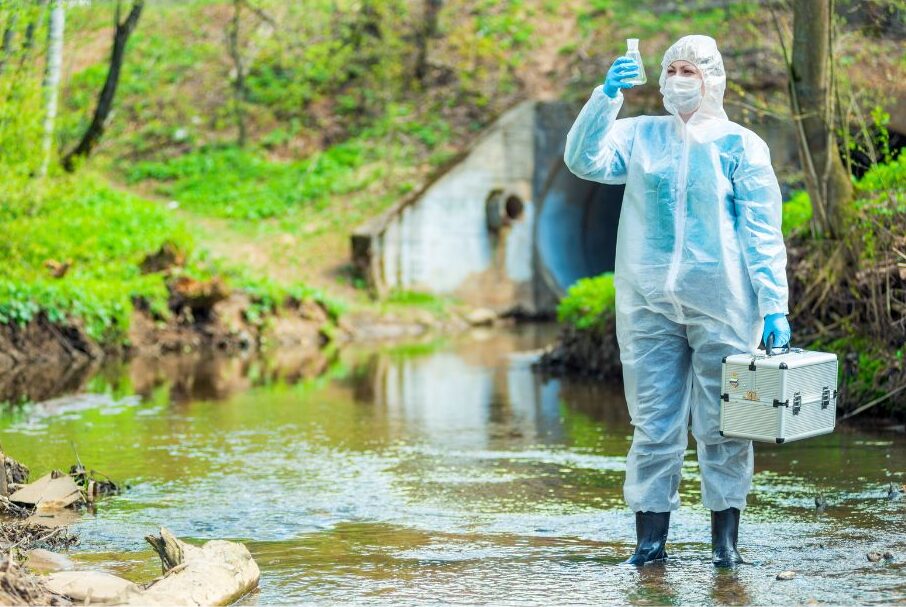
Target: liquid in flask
[{"x": 632, "y": 52}]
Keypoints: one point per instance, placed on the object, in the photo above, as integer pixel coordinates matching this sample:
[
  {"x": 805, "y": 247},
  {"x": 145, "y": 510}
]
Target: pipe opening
[
  {"x": 514, "y": 207},
  {"x": 503, "y": 208},
  {"x": 576, "y": 230}
]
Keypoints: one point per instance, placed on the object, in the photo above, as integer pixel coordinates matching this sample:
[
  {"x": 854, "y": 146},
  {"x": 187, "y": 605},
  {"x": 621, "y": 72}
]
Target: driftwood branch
[{"x": 169, "y": 549}]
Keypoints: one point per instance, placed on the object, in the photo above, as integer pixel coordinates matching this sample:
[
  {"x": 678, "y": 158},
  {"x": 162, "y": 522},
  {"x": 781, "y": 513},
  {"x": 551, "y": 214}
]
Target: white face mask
[{"x": 683, "y": 93}]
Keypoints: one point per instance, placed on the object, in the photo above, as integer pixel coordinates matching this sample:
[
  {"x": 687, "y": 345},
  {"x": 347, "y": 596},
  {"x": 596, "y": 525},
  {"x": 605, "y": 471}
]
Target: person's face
[{"x": 684, "y": 69}]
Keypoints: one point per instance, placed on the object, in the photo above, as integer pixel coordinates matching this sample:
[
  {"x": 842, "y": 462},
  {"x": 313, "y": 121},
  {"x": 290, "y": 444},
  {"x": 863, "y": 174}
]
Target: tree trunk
[
  {"x": 52, "y": 79},
  {"x": 121, "y": 33},
  {"x": 812, "y": 91},
  {"x": 30, "y": 35},
  {"x": 427, "y": 31},
  {"x": 9, "y": 33},
  {"x": 239, "y": 81}
]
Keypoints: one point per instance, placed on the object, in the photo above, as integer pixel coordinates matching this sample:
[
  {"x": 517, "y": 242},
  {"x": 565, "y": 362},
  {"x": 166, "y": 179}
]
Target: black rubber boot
[
  {"x": 724, "y": 535},
  {"x": 651, "y": 537}
]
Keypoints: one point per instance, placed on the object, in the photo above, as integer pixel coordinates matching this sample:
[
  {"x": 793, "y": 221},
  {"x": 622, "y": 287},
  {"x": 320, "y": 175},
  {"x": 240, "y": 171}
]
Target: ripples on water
[{"x": 446, "y": 473}]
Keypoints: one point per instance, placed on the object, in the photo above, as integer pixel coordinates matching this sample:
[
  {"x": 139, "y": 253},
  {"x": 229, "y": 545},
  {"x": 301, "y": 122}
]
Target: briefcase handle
[{"x": 769, "y": 347}]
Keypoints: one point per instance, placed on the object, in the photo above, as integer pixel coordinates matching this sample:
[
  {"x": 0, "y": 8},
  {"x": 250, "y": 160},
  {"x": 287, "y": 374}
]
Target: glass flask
[{"x": 632, "y": 51}]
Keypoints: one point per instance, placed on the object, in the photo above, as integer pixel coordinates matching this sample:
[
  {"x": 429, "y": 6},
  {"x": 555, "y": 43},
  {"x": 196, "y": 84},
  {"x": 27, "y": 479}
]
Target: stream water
[{"x": 446, "y": 472}]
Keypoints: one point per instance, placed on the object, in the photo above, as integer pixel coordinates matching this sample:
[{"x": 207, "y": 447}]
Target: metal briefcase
[{"x": 778, "y": 397}]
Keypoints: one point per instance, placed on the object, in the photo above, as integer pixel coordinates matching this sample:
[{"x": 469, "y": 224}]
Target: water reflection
[
  {"x": 654, "y": 586},
  {"x": 729, "y": 589},
  {"x": 455, "y": 402},
  {"x": 446, "y": 472}
]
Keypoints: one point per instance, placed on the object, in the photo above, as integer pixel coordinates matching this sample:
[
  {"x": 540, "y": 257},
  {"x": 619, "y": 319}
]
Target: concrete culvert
[{"x": 576, "y": 229}]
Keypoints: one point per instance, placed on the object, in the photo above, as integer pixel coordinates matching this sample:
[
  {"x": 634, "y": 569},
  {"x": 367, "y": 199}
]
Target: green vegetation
[
  {"x": 884, "y": 183},
  {"x": 72, "y": 245},
  {"x": 101, "y": 236},
  {"x": 797, "y": 212},
  {"x": 248, "y": 186},
  {"x": 589, "y": 302},
  {"x": 437, "y": 304},
  {"x": 243, "y": 184}
]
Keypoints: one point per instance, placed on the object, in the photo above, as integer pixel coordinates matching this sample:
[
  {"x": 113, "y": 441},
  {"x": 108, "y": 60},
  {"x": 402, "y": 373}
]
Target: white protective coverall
[{"x": 700, "y": 261}]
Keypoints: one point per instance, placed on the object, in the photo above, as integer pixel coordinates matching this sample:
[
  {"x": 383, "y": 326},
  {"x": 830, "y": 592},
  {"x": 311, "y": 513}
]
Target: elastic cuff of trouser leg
[
  {"x": 724, "y": 505},
  {"x": 656, "y": 508}
]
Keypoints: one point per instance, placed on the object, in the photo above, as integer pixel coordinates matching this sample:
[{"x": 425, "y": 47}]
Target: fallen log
[{"x": 217, "y": 573}]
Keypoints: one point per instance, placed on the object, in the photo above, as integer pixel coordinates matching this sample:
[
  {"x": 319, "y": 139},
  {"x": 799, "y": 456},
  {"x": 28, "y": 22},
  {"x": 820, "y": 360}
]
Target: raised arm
[
  {"x": 598, "y": 145},
  {"x": 758, "y": 208}
]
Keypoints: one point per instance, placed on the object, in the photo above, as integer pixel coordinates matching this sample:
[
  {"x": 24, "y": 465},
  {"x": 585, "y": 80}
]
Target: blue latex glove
[
  {"x": 778, "y": 325},
  {"x": 622, "y": 69}
]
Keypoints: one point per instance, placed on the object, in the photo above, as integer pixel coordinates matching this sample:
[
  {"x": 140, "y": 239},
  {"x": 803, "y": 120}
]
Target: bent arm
[
  {"x": 759, "y": 211},
  {"x": 598, "y": 145}
]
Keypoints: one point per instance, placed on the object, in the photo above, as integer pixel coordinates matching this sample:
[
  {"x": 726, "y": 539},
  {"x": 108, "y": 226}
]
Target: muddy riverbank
[{"x": 42, "y": 359}]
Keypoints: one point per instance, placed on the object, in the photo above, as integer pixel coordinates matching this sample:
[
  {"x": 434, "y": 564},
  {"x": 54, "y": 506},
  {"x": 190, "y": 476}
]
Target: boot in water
[
  {"x": 651, "y": 537},
  {"x": 724, "y": 535}
]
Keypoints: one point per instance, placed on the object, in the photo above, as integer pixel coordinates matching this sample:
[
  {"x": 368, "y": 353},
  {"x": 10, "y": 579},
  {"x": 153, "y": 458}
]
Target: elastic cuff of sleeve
[
  {"x": 773, "y": 307},
  {"x": 613, "y": 101}
]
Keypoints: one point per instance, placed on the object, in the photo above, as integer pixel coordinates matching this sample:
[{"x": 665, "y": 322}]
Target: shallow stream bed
[{"x": 447, "y": 473}]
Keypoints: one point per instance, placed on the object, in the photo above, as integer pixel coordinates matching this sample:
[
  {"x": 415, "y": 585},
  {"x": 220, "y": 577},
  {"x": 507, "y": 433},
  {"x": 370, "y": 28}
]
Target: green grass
[
  {"x": 104, "y": 234},
  {"x": 437, "y": 304},
  {"x": 243, "y": 184},
  {"x": 240, "y": 184}
]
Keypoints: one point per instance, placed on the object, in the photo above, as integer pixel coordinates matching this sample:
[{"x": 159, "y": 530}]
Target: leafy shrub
[
  {"x": 885, "y": 180},
  {"x": 797, "y": 212},
  {"x": 588, "y": 302}
]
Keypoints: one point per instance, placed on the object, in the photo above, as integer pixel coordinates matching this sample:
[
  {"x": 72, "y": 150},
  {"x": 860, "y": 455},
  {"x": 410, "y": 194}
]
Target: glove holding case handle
[{"x": 778, "y": 397}]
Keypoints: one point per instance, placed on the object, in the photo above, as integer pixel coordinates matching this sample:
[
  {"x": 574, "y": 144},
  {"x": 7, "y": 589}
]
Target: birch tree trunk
[
  {"x": 52, "y": 79},
  {"x": 812, "y": 94}
]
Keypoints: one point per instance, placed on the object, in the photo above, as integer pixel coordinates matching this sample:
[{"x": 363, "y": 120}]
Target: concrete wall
[{"x": 438, "y": 241}]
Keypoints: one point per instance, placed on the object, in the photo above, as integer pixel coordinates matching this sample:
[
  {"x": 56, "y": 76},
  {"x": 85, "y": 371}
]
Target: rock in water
[
  {"x": 786, "y": 575},
  {"x": 93, "y": 586},
  {"x": 481, "y": 317}
]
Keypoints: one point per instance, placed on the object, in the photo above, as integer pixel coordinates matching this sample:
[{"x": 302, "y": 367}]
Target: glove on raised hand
[{"x": 623, "y": 69}]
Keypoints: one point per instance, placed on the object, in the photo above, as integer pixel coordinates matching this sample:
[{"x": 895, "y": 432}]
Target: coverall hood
[{"x": 702, "y": 52}]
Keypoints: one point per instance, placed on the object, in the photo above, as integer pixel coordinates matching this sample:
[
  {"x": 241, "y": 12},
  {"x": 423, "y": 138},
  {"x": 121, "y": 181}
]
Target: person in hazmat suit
[{"x": 700, "y": 274}]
